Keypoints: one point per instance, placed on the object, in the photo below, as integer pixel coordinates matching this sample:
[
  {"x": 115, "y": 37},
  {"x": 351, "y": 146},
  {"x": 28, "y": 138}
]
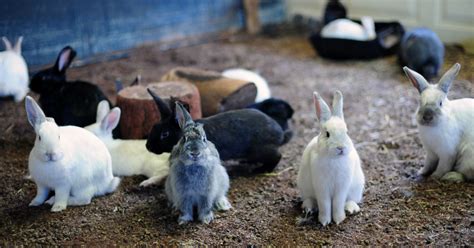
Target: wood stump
[
  {"x": 218, "y": 93},
  {"x": 252, "y": 19},
  {"x": 139, "y": 111}
]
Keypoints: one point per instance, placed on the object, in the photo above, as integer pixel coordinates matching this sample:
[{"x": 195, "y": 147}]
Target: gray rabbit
[
  {"x": 422, "y": 51},
  {"x": 196, "y": 178}
]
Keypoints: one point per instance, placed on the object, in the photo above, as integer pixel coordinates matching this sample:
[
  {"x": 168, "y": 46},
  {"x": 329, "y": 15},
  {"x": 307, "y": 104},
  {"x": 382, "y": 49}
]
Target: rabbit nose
[
  {"x": 340, "y": 149},
  {"x": 428, "y": 115},
  {"x": 195, "y": 153}
]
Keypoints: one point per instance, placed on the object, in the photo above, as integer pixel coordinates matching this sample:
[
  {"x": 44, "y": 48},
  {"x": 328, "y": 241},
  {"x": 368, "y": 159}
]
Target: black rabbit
[
  {"x": 246, "y": 134},
  {"x": 69, "y": 103},
  {"x": 334, "y": 10}
]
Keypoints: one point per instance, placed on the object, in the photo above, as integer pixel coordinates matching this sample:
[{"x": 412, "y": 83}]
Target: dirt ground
[{"x": 379, "y": 107}]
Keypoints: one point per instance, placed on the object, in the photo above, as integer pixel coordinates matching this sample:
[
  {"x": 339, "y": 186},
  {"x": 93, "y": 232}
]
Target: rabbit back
[
  {"x": 422, "y": 50},
  {"x": 130, "y": 157},
  {"x": 72, "y": 103},
  {"x": 13, "y": 75}
]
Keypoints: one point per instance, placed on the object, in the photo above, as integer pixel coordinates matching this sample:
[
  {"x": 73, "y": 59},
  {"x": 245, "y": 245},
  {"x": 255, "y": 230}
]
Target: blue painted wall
[{"x": 97, "y": 26}]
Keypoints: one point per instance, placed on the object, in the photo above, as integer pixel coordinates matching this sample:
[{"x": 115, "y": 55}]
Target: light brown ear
[
  {"x": 448, "y": 77},
  {"x": 416, "y": 79},
  {"x": 8, "y": 45},
  {"x": 17, "y": 47},
  {"x": 111, "y": 120},
  {"x": 322, "y": 110}
]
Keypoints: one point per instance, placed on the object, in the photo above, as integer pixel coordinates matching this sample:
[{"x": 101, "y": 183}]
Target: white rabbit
[
  {"x": 347, "y": 29},
  {"x": 263, "y": 91},
  {"x": 446, "y": 128},
  {"x": 330, "y": 176},
  {"x": 68, "y": 160},
  {"x": 13, "y": 71},
  {"x": 129, "y": 157}
]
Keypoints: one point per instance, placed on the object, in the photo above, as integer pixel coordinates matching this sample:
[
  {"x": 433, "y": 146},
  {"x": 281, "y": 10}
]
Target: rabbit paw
[
  {"x": 206, "y": 218},
  {"x": 183, "y": 219},
  {"x": 351, "y": 207},
  {"x": 35, "y": 202},
  {"x": 50, "y": 201},
  {"x": 338, "y": 218},
  {"x": 223, "y": 204},
  {"x": 58, "y": 207},
  {"x": 453, "y": 176},
  {"x": 324, "y": 219}
]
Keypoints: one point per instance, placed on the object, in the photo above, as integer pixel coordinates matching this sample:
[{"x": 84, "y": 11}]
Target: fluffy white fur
[
  {"x": 449, "y": 141},
  {"x": 13, "y": 71},
  {"x": 347, "y": 29},
  {"x": 330, "y": 176},
  {"x": 263, "y": 91},
  {"x": 68, "y": 160},
  {"x": 129, "y": 157}
]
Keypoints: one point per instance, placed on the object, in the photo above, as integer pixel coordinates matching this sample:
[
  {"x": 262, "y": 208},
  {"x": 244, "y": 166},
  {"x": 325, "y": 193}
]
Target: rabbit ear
[
  {"x": 8, "y": 45},
  {"x": 17, "y": 47},
  {"x": 322, "y": 110},
  {"x": 137, "y": 80},
  {"x": 164, "y": 109},
  {"x": 103, "y": 109},
  {"x": 111, "y": 120},
  {"x": 416, "y": 79},
  {"x": 35, "y": 114},
  {"x": 337, "y": 104},
  {"x": 448, "y": 77},
  {"x": 64, "y": 59},
  {"x": 182, "y": 115}
]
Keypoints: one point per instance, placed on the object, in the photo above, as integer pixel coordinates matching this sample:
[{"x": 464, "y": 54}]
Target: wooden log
[
  {"x": 218, "y": 93},
  {"x": 252, "y": 20},
  {"x": 139, "y": 111}
]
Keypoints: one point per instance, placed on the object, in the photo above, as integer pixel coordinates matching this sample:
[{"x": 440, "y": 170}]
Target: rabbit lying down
[
  {"x": 129, "y": 157},
  {"x": 244, "y": 134},
  {"x": 330, "y": 176},
  {"x": 445, "y": 127},
  {"x": 68, "y": 160},
  {"x": 196, "y": 179},
  {"x": 13, "y": 71}
]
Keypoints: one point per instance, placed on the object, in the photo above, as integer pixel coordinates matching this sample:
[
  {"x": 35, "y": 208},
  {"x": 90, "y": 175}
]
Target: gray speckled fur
[{"x": 200, "y": 182}]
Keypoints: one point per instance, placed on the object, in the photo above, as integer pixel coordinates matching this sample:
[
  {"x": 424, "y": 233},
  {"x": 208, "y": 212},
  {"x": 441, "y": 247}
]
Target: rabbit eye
[
  {"x": 39, "y": 137},
  {"x": 165, "y": 135},
  {"x": 327, "y": 135},
  {"x": 441, "y": 103}
]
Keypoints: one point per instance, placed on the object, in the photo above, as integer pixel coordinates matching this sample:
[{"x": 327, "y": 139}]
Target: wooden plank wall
[{"x": 99, "y": 26}]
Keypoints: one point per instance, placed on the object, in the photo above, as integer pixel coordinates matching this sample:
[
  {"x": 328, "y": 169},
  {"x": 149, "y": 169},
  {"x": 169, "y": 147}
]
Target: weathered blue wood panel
[{"x": 97, "y": 26}]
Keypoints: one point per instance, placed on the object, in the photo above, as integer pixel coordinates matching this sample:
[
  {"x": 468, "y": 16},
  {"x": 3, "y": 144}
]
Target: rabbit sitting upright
[
  {"x": 13, "y": 71},
  {"x": 68, "y": 102},
  {"x": 445, "y": 127},
  {"x": 330, "y": 176},
  {"x": 196, "y": 178},
  {"x": 129, "y": 157},
  {"x": 69, "y": 160}
]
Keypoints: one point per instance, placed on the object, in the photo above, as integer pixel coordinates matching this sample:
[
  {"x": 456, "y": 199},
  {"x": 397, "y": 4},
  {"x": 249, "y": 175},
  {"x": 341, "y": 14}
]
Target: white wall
[{"x": 453, "y": 20}]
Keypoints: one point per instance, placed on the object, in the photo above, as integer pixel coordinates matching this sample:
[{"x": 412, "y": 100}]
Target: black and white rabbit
[
  {"x": 245, "y": 134},
  {"x": 196, "y": 178},
  {"x": 68, "y": 102},
  {"x": 422, "y": 51}
]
